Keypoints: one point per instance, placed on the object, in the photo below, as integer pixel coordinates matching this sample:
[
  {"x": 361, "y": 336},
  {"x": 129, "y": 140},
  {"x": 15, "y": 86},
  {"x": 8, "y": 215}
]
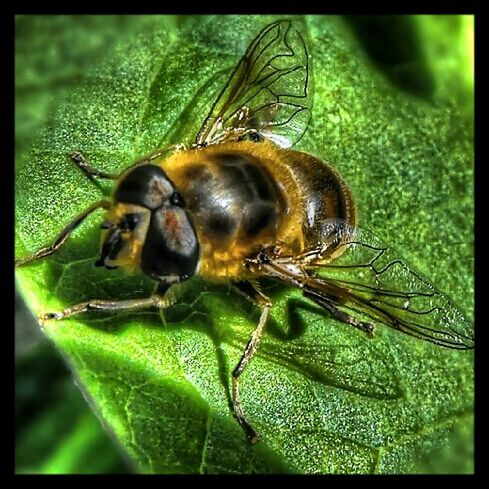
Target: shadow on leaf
[
  {"x": 189, "y": 437},
  {"x": 393, "y": 45},
  {"x": 347, "y": 361}
]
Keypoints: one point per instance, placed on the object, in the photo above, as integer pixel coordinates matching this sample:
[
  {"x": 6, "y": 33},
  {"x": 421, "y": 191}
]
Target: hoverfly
[{"x": 239, "y": 205}]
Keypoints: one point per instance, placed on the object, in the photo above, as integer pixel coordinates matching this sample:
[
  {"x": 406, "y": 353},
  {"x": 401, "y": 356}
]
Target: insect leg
[
  {"x": 63, "y": 235},
  {"x": 264, "y": 302},
  {"x": 80, "y": 161},
  {"x": 341, "y": 315},
  {"x": 324, "y": 293},
  {"x": 158, "y": 300}
]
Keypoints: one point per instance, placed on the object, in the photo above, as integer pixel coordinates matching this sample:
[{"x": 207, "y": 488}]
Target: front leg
[
  {"x": 81, "y": 162},
  {"x": 159, "y": 299},
  {"x": 63, "y": 235}
]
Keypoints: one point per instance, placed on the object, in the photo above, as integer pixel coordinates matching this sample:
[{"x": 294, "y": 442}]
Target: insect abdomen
[
  {"x": 235, "y": 203},
  {"x": 325, "y": 195},
  {"x": 232, "y": 197}
]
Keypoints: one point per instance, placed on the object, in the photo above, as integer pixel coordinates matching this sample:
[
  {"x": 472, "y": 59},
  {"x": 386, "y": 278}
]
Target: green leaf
[
  {"x": 55, "y": 432},
  {"x": 325, "y": 398}
]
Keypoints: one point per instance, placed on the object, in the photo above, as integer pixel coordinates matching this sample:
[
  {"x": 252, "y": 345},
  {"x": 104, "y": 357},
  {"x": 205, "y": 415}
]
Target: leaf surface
[{"x": 325, "y": 398}]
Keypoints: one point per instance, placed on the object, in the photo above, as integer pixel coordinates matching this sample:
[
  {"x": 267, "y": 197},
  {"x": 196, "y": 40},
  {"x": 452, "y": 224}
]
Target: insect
[{"x": 239, "y": 205}]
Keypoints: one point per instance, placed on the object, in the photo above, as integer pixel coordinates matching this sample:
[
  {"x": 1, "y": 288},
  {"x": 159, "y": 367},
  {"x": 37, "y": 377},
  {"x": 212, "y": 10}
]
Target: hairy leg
[
  {"x": 63, "y": 235},
  {"x": 81, "y": 162},
  {"x": 261, "y": 300},
  {"x": 158, "y": 300}
]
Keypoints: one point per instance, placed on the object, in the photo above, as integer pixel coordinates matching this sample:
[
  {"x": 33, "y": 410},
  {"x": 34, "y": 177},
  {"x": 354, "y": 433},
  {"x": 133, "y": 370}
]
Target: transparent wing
[
  {"x": 369, "y": 282},
  {"x": 268, "y": 93}
]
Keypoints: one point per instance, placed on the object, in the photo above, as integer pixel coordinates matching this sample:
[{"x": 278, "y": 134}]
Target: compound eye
[
  {"x": 177, "y": 200},
  {"x": 171, "y": 250},
  {"x": 146, "y": 186}
]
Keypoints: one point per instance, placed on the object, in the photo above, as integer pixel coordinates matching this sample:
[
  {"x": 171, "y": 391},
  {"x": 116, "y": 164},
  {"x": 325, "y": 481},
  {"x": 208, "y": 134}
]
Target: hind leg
[{"x": 261, "y": 300}]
